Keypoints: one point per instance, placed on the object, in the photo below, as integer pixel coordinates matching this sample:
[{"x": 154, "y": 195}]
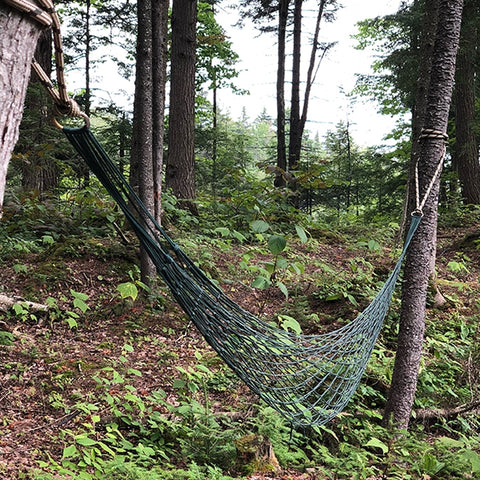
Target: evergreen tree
[{"x": 180, "y": 165}]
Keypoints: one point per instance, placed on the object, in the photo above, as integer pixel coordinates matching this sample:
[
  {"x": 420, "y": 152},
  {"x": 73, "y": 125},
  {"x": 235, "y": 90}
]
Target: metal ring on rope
[
  {"x": 72, "y": 109},
  {"x": 85, "y": 117},
  {"x": 46, "y": 15}
]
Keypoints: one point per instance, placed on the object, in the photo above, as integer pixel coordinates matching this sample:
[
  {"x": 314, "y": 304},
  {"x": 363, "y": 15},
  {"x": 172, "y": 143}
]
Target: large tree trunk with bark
[
  {"x": 180, "y": 171},
  {"x": 421, "y": 255},
  {"x": 141, "y": 152},
  {"x": 18, "y": 39},
  {"x": 39, "y": 169},
  {"x": 466, "y": 143}
]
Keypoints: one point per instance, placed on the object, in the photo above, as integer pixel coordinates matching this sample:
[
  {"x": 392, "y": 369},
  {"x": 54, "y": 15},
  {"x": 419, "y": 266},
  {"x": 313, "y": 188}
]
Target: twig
[
  {"x": 430, "y": 413},
  {"x": 58, "y": 423}
]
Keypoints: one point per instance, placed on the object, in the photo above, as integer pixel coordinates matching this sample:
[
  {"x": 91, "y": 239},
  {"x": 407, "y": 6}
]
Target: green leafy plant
[{"x": 270, "y": 272}]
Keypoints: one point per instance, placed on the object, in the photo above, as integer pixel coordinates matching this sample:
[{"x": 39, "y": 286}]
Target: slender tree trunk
[
  {"x": 180, "y": 172},
  {"x": 295, "y": 135},
  {"x": 142, "y": 147},
  {"x": 466, "y": 143},
  {"x": 214, "y": 139},
  {"x": 281, "y": 139},
  {"x": 312, "y": 67},
  {"x": 159, "y": 78},
  {"x": 297, "y": 121},
  {"x": 18, "y": 38},
  {"x": 421, "y": 255}
]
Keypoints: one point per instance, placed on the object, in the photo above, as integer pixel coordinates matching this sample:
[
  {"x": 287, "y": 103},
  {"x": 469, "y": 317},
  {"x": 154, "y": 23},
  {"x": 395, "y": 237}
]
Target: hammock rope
[{"x": 308, "y": 379}]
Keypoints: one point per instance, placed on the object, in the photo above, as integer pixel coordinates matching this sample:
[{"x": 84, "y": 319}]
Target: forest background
[{"x": 229, "y": 187}]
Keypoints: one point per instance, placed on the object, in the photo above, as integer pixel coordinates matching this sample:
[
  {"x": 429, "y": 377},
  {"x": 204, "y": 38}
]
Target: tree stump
[{"x": 255, "y": 455}]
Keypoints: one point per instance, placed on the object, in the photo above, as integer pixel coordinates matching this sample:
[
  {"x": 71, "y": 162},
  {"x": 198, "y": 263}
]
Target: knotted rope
[
  {"x": 429, "y": 133},
  {"x": 45, "y": 14}
]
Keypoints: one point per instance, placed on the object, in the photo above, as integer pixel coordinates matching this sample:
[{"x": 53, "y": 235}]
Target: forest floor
[{"x": 52, "y": 363}]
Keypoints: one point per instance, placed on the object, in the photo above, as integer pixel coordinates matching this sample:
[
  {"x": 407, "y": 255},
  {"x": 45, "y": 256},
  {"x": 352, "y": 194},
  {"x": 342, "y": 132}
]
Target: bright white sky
[{"x": 328, "y": 104}]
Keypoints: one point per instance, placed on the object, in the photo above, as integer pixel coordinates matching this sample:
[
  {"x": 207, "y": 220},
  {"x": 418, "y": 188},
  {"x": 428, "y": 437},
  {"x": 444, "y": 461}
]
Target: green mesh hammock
[{"x": 307, "y": 378}]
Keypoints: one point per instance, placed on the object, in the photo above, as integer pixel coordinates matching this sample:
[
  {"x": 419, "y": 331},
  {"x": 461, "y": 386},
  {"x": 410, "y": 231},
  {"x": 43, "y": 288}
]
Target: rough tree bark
[
  {"x": 421, "y": 255},
  {"x": 466, "y": 142},
  {"x": 39, "y": 171},
  {"x": 180, "y": 171},
  {"x": 281, "y": 142},
  {"x": 142, "y": 146},
  {"x": 18, "y": 39},
  {"x": 295, "y": 134},
  {"x": 159, "y": 78}
]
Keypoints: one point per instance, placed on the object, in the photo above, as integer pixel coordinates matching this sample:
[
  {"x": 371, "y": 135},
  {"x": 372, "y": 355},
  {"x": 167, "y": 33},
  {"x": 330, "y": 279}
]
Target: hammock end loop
[{"x": 85, "y": 117}]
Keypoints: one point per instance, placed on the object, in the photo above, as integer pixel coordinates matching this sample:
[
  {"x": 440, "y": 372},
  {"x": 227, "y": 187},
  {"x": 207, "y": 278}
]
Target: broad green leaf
[
  {"x": 48, "y": 239},
  {"x": 72, "y": 323},
  {"x": 177, "y": 383},
  {"x": 474, "y": 459},
  {"x": 261, "y": 282},
  {"x": 79, "y": 295},
  {"x": 259, "y": 226},
  {"x": 333, "y": 297},
  {"x": 281, "y": 263},
  {"x": 241, "y": 238},
  {"x": 431, "y": 465},
  {"x": 302, "y": 234},
  {"x": 450, "y": 442},
  {"x": 376, "y": 443},
  {"x": 373, "y": 246},
  {"x": 80, "y": 304},
  {"x": 283, "y": 289},
  {"x": 128, "y": 289},
  {"x": 85, "y": 441},
  {"x": 69, "y": 451},
  {"x": 277, "y": 244},
  {"x": 223, "y": 231},
  {"x": 289, "y": 323}
]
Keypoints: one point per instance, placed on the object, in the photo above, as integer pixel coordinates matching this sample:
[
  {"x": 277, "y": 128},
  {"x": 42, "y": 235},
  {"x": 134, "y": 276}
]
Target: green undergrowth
[{"x": 155, "y": 403}]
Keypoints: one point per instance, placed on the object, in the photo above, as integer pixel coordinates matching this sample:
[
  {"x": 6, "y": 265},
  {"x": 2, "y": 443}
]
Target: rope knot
[
  {"x": 69, "y": 109},
  {"x": 432, "y": 133}
]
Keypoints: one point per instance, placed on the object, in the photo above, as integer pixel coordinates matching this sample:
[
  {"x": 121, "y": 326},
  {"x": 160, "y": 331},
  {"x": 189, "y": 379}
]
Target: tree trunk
[
  {"x": 312, "y": 67},
  {"x": 159, "y": 77},
  {"x": 180, "y": 171},
  {"x": 39, "y": 169},
  {"x": 18, "y": 38},
  {"x": 141, "y": 152},
  {"x": 295, "y": 127},
  {"x": 421, "y": 255},
  {"x": 466, "y": 143},
  {"x": 281, "y": 139}
]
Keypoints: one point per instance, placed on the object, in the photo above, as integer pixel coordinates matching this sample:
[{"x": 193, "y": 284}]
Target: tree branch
[{"x": 8, "y": 302}]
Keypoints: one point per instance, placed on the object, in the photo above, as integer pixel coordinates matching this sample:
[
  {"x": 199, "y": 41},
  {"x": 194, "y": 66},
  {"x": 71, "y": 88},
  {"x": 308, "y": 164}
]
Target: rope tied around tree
[
  {"x": 46, "y": 15},
  {"x": 429, "y": 133}
]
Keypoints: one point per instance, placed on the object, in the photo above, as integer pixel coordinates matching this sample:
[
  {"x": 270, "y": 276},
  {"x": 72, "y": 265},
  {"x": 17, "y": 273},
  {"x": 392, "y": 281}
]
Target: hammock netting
[{"x": 308, "y": 379}]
